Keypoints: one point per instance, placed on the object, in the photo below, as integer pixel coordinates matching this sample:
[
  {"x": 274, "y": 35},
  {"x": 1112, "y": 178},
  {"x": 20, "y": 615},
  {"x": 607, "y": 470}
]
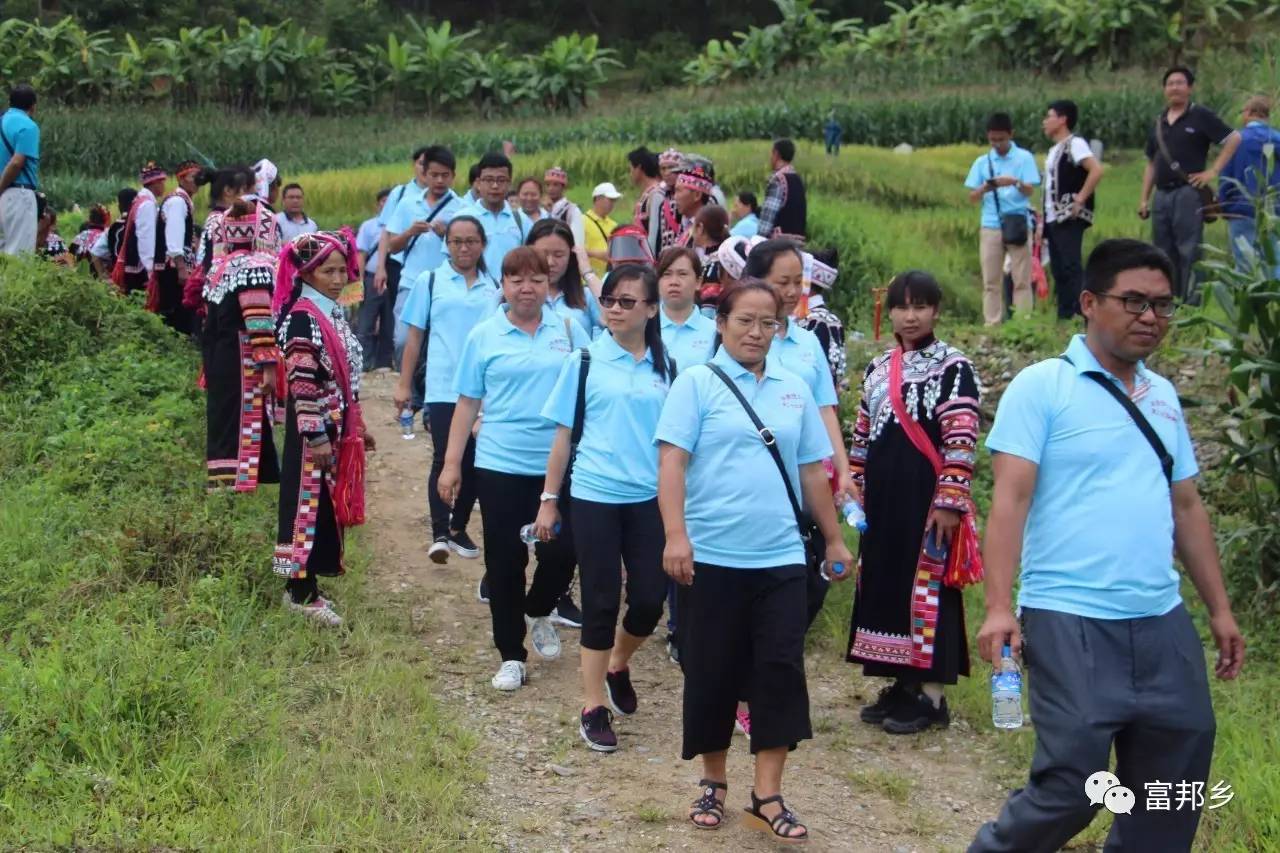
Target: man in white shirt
[
  {"x": 1071, "y": 175},
  {"x": 293, "y": 221},
  {"x": 557, "y": 181},
  {"x": 140, "y": 250},
  {"x": 177, "y": 213}
]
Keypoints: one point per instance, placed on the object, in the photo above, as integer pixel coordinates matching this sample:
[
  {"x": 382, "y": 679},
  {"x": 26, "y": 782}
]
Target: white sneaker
[
  {"x": 439, "y": 551},
  {"x": 319, "y": 611},
  {"x": 546, "y": 639},
  {"x": 510, "y": 676}
]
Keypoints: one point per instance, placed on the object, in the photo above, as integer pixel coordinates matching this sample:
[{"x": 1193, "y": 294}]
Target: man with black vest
[
  {"x": 177, "y": 213},
  {"x": 142, "y": 247},
  {"x": 785, "y": 212},
  {"x": 1177, "y": 151},
  {"x": 1071, "y": 175}
]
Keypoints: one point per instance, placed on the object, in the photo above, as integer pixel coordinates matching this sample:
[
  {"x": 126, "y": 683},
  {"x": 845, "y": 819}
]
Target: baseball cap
[{"x": 607, "y": 189}]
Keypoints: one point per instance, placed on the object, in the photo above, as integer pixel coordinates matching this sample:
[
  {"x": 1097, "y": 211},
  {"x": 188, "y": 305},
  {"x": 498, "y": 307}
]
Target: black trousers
[
  {"x": 742, "y": 636},
  {"x": 507, "y": 503},
  {"x": 1137, "y": 684},
  {"x": 376, "y": 326},
  {"x": 439, "y": 416},
  {"x": 1066, "y": 242},
  {"x": 169, "y": 289},
  {"x": 607, "y": 536}
]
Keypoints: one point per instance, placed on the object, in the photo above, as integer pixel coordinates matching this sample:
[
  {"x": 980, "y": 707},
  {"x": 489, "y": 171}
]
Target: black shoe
[
  {"x": 566, "y": 612},
  {"x": 673, "y": 649},
  {"x": 462, "y": 545},
  {"x": 482, "y": 590},
  {"x": 889, "y": 697},
  {"x": 596, "y": 729},
  {"x": 622, "y": 696},
  {"x": 917, "y": 715}
]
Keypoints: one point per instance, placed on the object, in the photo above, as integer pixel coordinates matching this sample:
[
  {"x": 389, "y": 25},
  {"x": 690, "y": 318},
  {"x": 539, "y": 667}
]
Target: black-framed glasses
[
  {"x": 627, "y": 302},
  {"x": 495, "y": 180},
  {"x": 460, "y": 242},
  {"x": 1164, "y": 307}
]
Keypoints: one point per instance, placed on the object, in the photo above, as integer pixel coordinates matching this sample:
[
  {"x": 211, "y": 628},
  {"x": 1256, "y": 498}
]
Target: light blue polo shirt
[
  {"x": 455, "y": 310},
  {"x": 503, "y": 231},
  {"x": 1099, "y": 535},
  {"x": 428, "y": 249},
  {"x": 747, "y": 226},
  {"x": 1018, "y": 163},
  {"x": 800, "y": 351},
  {"x": 690, "y": 342},
  {"x": 589, "y": 318},
  {"x": 388, "y": 212},
  {"x": 513, "y": 373},
  {"x": 367, "y": 241},
  {"x": 23, "y": 136},
  {"x": 736, "y": 507},
  {"x": 617, "y": 462}
]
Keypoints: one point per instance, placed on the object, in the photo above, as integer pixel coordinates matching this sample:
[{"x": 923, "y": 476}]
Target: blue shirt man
[
  {"x": 20, "y": 142},
  {"x": 703, "y": 418},
  {"x": 1016, "y": 163},
  {"x": 425, "y": 251},
  {"x": 1249, "y": 171},
  {"x": 367, "y": 242},
  {"x": 616, "y": 462},
  {"x": 21, "y": 135}
]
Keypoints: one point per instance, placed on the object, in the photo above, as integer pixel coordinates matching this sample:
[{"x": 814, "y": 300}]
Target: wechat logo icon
[{"x": 1103, "y": 788}]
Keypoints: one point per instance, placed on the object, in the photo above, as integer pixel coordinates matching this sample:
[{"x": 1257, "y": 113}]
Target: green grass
[{"x": 153, "y": 694}]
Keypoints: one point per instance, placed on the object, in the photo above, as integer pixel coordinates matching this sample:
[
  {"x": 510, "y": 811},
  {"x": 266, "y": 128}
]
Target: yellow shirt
[{"x": 598, "y": 231}]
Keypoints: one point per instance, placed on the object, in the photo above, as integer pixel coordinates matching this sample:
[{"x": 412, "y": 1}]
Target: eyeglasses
[
  {"x": 1164, "y": 307},
  {"x": 495, "y": 180},
  {"x": 468, "y": 242},
  {"x": 627, "y": 302},
  {"x": 768, "y": 325}
]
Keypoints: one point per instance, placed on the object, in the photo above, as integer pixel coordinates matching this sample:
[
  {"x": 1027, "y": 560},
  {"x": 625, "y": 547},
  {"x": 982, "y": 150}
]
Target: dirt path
[{"x": 856, "y": 787}]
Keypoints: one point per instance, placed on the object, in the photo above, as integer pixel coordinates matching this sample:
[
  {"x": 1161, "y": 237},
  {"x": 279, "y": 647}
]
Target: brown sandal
[
  {"x": 782, "y": 825},
  {"x": 707, "y": 804}
]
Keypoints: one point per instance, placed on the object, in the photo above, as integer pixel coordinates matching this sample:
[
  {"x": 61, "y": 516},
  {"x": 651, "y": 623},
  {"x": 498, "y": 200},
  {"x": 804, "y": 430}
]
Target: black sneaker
[
  {"x": 462, "y": 545},
  {"x": 888, "y": 698},
  {"x": 673, "y": 649},
  {"x": 917, "y": 715},
  {"x": 597, "y": 729},
  {"x": 438, "y": 553},
  {"x": 482, "y": 590},
  {"x": 566, "y": 612},
  {"x": 622, "y": 696}
]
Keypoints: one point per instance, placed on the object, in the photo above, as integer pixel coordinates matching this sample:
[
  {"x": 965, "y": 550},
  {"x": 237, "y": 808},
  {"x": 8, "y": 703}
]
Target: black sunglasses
[{"x": 627, "y": 302}]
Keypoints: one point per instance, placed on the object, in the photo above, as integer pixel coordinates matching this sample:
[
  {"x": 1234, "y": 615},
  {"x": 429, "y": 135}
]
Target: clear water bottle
[
  {"x": 406, "y": 422},
  {"x": 1006, "y": 692},
  {"x": 830, "y": 570},
  {"x": 854, "y": 516},
  {"x": 528, "y": 537}
]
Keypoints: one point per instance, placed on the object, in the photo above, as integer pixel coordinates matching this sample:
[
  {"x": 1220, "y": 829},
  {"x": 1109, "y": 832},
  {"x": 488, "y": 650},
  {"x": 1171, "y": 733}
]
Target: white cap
[{"x": 607, "y": 190}]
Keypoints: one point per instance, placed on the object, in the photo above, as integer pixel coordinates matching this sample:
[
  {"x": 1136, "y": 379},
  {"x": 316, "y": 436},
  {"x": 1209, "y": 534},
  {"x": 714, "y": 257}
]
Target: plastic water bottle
[
  {"x": 854, "y": 516},
  {"x": 406, "y": 422},
  {"x": 828, "y": 569},
  {"x": 1006, "y": 692},
  {"x": 528, "y": 537}
]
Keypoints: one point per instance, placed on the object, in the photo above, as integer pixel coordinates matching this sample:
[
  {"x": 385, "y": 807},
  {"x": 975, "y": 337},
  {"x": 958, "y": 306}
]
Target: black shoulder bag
[
  {"x": 1013, "y": 226},
  {"x": 1144, "y": 426},
  {"x": 814, "y": 546}
]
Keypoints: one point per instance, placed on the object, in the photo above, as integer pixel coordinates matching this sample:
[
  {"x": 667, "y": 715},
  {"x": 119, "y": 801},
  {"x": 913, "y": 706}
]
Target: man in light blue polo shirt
[
  {"x": 20, "y": 138},
  {"x": 1096, "y": 514},
  {"x": 1002, "y": 181},
  {"x": 504, "y": 228}
]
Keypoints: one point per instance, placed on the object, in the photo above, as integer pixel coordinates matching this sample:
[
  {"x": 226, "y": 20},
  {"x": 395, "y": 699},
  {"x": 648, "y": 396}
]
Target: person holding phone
[{"x": 908, "y": 624}]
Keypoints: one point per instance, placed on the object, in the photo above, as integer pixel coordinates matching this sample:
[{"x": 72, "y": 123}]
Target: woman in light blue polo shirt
[
  {"x": 566, "y": 294},
  {"x": 450, "y": 302},
  {"x": 509, "y": 364},
  {"x": 615, "y": 491},
  {"x": 733, "y": 544}
]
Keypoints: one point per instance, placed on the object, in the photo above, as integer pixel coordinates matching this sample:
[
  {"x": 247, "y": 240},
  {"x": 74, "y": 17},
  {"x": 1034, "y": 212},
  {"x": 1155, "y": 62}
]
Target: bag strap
[
  {"x": 1144, "y": 426},
  {"x": 995, "y": 191},
  {"x": 435, "y": 211},
  {"x": 910, "y": 426},
  {"x": 766, "y": 435},
  {"x": 580, "y": 411},
  {"x": 431, "y": 301},
  {"x": 1164, "y": 148}
]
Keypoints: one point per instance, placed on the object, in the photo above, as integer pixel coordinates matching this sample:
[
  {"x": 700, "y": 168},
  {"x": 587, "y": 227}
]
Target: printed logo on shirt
[
  {"x": 1162, "y": 409},
  {"x": 560, "y": 344},
  {"x": 791, "y": 400}
]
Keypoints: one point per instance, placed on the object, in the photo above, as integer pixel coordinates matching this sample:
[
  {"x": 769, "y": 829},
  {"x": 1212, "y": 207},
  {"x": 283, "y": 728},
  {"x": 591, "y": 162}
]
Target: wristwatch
[{"x": 548, "y": 496}]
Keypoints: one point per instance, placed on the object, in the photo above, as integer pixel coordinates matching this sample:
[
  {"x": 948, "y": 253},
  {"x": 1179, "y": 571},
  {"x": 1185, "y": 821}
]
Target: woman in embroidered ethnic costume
[
  {"x": 908, "y": 615},
  {"x": 226, "y": 186},
  {"x": 239, "y": 351},
  {"x": 322, "y": 478}
]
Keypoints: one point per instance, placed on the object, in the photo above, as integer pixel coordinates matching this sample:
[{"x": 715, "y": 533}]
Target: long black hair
[
  {"x": 484, "y": 238},
  {"x": 663, "y": 364},
  {"x": 570, "y": 284}
]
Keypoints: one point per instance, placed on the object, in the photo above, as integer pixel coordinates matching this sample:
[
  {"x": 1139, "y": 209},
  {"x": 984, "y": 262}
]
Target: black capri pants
[
  {"x": 507, "y": 503},
  {"x": 606, "y": 536},
  {"x": 742, "y": 636}
]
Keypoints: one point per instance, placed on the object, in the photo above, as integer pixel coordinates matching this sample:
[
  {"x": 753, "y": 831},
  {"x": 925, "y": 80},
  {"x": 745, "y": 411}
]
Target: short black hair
[
  {"x": 1000, "y": 122},
  {"x": 473, "y": 173},
  {"x": 436, "y": 154},
  {"x": 125, "y": 197},
  {"x": 1112, "y": 257},
  {"x": 644, "y": 160},
  {"x": 920, "y": 286},
  {"x": 382, "y": 193},
  {"x": 22, "y": 97},
  {"x": 493, "y": 160},
  {"x": 786, "y": 149},
  {"x": 1068, "y": 110},
  {"x": 285, "y": 190},
  {"x": 1179, "y": 69},
  {"x": 750, "y": 200}
]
